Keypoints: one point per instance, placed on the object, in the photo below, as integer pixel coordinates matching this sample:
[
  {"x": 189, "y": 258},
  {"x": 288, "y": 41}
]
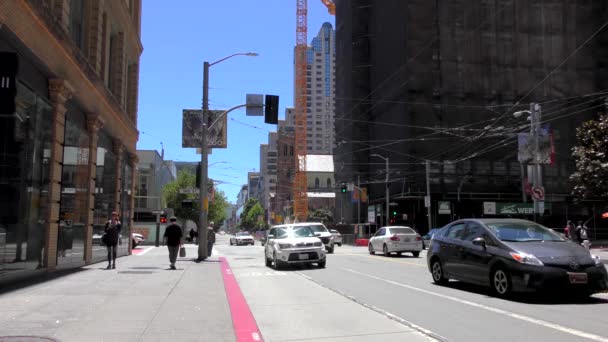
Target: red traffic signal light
[{"x": 163, "y": 219}]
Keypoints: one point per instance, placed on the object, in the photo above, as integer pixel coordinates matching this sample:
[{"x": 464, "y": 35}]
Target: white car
[
  {"x": 137, "y": 239},
  {"x": 337, "y": 237},
  {"x": 293, "y": 244},
  {"x": 396, "y": 239},
  {"x": 321, "y": 232},
  {"x": 242, "y": 238}
]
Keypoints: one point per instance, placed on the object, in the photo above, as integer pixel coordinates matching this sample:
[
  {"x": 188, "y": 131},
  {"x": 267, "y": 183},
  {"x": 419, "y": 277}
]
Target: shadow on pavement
[
  {"x": 20, "y": 283},
  {"x": 544, "y": 297}
]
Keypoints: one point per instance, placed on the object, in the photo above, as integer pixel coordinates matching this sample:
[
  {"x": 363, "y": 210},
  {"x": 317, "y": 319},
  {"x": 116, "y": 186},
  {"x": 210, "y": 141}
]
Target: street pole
[
  {"x": 202, "y": 227},
  {"x": 535, "y": 133},
  {"x": 359, "y": 202},
  {"x": 387, "y": 194},
  {"x": 428, "y": 193}
]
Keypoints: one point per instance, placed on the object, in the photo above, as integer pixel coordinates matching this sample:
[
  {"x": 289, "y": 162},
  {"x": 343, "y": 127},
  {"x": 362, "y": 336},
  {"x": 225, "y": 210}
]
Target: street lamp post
[
  {"x": 204, "y": 203},
  {"x": 387, "y": 186}
]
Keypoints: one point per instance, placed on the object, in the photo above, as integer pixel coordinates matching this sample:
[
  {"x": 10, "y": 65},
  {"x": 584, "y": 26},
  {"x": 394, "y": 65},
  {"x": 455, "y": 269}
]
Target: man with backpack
[{"x": 173, "y": 240}]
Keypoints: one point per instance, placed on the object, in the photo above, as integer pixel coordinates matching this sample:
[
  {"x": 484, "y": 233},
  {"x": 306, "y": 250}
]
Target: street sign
[
  {"x": 350, "y": 186},
  {"x": 158, "y": 212},
  {"x": 444, "y": 208},
  {"x": 427, "y": 201},
  {"x": 538, "y": 193},
  {"x": 489, "y": 208},
  {"x": 189, "y": 191},
  {"x": 192, "y": 128},
  {"x": 541, "y": 207}
]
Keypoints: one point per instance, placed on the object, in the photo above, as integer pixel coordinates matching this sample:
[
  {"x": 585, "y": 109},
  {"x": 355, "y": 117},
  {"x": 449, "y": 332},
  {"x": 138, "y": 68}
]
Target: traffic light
[
  {"x": 271, "y": 112},
  {"x": 198, "y": 175},
  {"x": 163, "y": 218},
  {"x": 343, "y": 189},
  {"x": 8, "y": 81},
  {"x": 394, "y": 213}
]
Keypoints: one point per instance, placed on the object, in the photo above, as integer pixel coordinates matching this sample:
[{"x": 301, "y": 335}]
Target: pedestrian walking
[
  {"x": 581, "y": 234},
  {"x": 112, "y": 232},
  {"x": 210, "y": 239},
  {"x": 569, "y": 229},
  {"x": 191, "y": 233},
  {"x": 173, "y": 240}
]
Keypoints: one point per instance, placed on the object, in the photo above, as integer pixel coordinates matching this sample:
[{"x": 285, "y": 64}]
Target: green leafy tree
[
  {"x": 321, "y": 215},
  {"x": 591, "y": 159},
  {"x": 250, "y": 214},
  {"x": 185, "y": 179},
  {"x": 217, "y": 207}
]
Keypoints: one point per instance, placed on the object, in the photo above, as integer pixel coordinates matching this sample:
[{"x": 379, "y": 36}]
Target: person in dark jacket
[
  {"x": 173, "y": 240},
  {"x": 112, "y": 230}
]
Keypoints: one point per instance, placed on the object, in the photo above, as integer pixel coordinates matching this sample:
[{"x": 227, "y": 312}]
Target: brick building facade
[{"x": 69, "y": 153}]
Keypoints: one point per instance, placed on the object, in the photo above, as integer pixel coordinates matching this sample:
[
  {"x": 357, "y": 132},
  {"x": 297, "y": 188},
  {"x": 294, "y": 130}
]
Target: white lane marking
[
  {"x": 260, "y": 274},
  {"x": 145, "y": 251},
  {"x": 495, "y": 310},
  {"x": 432, "y": 336}
]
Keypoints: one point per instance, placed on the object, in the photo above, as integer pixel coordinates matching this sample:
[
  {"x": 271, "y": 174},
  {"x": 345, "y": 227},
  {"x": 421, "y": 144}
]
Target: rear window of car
[
  {"x": 243, "y": 234},
  {"x": 318, "y": 228},
  {"x": 403, "y": 230}
]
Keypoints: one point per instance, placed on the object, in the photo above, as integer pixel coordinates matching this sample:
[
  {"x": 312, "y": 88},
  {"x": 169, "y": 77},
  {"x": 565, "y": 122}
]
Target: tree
[
  {"x": 591, "y": 159},
  {"x": 217, "y": 207},
  {"x": 321, "y": 215},
  {"x": 185, "y": 179},
  {"x": 250, "y": 214}
]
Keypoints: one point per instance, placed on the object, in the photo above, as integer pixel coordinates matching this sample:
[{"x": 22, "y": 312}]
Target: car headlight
[
  {"x": 331, "y": 237},
  {"x": 596, "y": 259},
  {"x": 285, "y": 245},
  {"x": 524, "y": 258},
  {"x": 318, "y": 244}
]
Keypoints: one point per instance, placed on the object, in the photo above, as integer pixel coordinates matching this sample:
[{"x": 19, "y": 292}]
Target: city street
[{"x": 401, "y": 288}]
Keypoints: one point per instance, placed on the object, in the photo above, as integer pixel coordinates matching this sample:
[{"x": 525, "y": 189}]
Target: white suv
[
  {"x": 293, "y": 244},
  {"x": 322, "y": 233}
]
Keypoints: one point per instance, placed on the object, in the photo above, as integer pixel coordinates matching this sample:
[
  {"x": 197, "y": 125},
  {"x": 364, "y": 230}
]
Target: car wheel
[
  {"x": 340, "y": 244},
  {"x": 133, "y": 243},
  {"x": 501, "y": 282},
  {"x": 230, "y": 242},
  {"x": 276, "y": 262},
  {"x": 416, "y": 254},
  {"x": 437, "y": 273},
  {"x": 268, "y": 261},
  {"x": 330, "y": 250},
  {"x": 322, "y": 263},
  {"x": 371, "y": 249},
  {"x": 385, "y": 251},
  {"x": 423, "y": 245}
]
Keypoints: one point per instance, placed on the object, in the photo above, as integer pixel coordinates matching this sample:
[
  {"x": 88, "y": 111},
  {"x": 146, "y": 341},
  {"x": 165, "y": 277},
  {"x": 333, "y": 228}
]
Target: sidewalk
[{"x": 141, "y": 300}]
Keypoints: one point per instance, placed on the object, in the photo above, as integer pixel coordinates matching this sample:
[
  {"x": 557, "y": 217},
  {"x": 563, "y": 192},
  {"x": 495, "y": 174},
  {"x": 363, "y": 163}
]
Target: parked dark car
[{"x": 513, "y": 255}]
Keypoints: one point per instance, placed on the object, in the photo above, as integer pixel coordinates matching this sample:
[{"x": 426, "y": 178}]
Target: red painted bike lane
[{"x": 245, "y": 326}]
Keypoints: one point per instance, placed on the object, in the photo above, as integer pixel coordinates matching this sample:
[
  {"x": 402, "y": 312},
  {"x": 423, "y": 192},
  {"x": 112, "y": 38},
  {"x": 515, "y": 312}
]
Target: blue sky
[{"x": 177, "y": 38}]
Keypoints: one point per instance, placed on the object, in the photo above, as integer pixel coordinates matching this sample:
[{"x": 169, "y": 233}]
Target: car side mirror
[{"x": 479, "y": 242}]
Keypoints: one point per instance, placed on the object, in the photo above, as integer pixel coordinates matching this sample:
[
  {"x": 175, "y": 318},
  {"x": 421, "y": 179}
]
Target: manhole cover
[
  {"x": 133, "y": 272},
  {"x": 26, "y": 339}
]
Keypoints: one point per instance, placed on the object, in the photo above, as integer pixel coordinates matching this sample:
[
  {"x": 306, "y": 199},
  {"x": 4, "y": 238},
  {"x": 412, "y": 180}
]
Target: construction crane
[
  {"x": 331, "y": 6},
  {"x": 300, "y": 188},
  {"x": 300, "y": 203}
]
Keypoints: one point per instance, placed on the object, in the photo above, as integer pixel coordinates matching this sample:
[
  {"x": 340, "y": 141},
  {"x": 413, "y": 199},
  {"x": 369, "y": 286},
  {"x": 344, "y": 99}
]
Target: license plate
[
  {"x": 305, "y": 257},
  {"x": 406, "y": 239},
  {"x": 577, "y": 278}
]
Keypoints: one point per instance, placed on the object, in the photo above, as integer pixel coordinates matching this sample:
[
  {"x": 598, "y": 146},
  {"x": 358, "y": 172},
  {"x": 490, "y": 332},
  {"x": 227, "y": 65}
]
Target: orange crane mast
[
  {"x": 300, "y": 204},
  {"x": 300, "y": 188}
]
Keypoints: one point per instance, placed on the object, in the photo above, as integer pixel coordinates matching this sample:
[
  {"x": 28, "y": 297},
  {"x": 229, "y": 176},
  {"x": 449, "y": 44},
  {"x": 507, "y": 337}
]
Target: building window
[
  {"x": 77, "y": 23},
  {"x": 329, "y": 183},
  {"x": 317, "y": 183}
]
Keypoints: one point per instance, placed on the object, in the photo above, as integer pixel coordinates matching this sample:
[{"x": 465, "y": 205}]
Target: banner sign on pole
[{"x": 192, "y": 129}]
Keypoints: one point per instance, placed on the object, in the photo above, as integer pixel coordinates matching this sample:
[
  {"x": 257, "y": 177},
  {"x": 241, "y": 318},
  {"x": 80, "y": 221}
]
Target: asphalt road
[{"x": 401, "y": 288}]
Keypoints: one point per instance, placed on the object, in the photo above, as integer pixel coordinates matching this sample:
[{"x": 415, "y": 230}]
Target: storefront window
[
  {"x": 105, "y": 192},
  {"x": 73, "y": 214},
  {"x": 25, "y": 140}
]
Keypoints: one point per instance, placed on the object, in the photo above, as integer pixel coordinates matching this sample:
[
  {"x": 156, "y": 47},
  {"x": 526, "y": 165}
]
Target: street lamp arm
[
  {"x": 253, "y": 54},
  {"x": 226, "y": 112},
  {"x": 377, "y": 155}
]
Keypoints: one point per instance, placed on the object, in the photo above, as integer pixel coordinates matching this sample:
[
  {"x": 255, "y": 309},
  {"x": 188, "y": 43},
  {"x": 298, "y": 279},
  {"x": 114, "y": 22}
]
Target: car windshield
[
  {"x": 243, "y": 234},
  {"x": 294, "y": 232},
  {"x": 401, "y": 230},
  {"x": 318, "y": 228},
  {"x": 523, "y": 232}
]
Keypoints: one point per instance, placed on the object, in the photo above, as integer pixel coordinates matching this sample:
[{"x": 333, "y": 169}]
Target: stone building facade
[{"x": 69, "y": 149}]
